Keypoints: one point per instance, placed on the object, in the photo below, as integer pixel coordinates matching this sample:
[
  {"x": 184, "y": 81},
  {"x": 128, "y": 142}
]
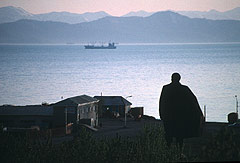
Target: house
[
  {"x": 76, "y": 110},
  {"x": 68, "y": 112},
  {"x": 112, "y": 106},
  {"x": 26, "y": 116}
]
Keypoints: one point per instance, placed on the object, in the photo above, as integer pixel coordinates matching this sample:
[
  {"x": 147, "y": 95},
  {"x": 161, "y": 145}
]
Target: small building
[
  {"x": 136, "y": 112},
  {"x": 26, "y": 116},
  {"x": 60, "y": 117},
  {"x": 76, "y": 110},
  {"x": 112, "y": 106}
]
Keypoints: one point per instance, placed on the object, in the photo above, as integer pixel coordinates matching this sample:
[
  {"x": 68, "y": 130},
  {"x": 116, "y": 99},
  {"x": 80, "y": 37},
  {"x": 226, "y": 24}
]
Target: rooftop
[
  {"x": 113, "y": 100},
  {"x": 43, "y": 110},
  {"x": 73, "y": 101}
]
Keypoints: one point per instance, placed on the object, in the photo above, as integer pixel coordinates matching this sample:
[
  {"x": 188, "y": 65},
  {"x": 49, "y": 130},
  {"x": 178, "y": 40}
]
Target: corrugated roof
[
  {"x": 74, "y": 101},
  {"x": 113, "y": 100},
  {"x": 26, "y": 110}
]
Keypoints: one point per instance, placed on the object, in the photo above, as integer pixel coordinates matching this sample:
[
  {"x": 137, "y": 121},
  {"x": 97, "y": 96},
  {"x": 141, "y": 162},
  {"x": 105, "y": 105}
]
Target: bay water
[{"x": 32, "y": 74}]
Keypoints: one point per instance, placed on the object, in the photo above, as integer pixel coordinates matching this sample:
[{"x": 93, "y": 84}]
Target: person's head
[{"x": 176, "y": 77}]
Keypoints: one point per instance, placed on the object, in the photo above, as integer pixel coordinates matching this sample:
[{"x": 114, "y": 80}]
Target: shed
[
  {"x": 112, "y": 106},
  {"x": 76, "y": 110}
]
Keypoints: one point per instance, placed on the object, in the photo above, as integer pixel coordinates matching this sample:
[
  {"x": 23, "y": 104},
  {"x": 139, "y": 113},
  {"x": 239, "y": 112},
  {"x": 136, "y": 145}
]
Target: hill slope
[{"x": 159, "y": 27}]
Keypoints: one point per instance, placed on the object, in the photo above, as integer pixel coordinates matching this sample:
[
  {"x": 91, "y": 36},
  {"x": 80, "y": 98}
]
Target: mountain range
[
  {"x": 233, "y": 14},
  {"x": 140, "y": 13},
  {"x": 160, "y": 27},
  {"x": 11, "y": 14}
]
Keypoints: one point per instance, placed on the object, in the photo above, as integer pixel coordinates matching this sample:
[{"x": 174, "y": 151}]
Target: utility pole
[
  {"x": 125, "y": 110},
  {"x": 205, "y": 113},
  {"x": 236, "y": 104},
  {"x": 66, "y": 119}
]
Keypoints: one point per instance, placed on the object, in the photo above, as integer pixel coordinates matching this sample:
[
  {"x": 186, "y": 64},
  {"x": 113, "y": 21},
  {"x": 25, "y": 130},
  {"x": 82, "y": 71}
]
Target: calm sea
[{"x": 32, "y": 74}]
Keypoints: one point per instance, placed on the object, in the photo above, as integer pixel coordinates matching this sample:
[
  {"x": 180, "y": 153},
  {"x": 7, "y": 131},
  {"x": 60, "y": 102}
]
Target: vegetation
[
  {"x": 224, "y": 146},
  {"x": 150, "y": 146}
]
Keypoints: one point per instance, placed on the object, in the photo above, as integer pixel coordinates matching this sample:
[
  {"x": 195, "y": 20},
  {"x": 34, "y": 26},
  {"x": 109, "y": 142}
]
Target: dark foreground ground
[
  {"x": 110, "y": 128},
  {"x": 113, "y": 127},
  {"x": 217, "y": 142},
  {"x": 138, "y": 141},
  {"x": 116, "y": 127}
]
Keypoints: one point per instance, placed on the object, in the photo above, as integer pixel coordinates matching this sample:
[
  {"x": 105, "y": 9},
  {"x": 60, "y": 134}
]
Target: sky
[{"x": 119, "y": 7}]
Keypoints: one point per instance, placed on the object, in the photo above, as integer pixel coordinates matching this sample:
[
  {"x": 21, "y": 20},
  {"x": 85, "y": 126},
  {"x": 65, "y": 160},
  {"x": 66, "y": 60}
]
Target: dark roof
[
  {"x": 74, "y": 101},
  {"x": 42, "y": 110},
  {"x": 113, "y": 100}
]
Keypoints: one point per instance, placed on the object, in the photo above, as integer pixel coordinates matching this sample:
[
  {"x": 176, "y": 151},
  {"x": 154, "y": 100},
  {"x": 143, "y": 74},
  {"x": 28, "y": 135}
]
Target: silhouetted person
[{"x": 180, "y": 111}]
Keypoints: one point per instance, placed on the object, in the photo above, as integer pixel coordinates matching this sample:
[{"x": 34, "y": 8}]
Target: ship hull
[
  {"x": 99, "y": 47},
  {"x": 110, "y": 46}
]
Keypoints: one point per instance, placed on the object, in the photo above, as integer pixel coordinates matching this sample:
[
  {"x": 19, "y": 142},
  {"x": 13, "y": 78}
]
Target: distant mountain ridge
[
  {"x": 11, "y": 14},
  {"x": 138, "y": 13},
  {"x": 71, "y": 18},
  {"x": 233, "y": 14},
  {"x": 161, "y": 27}
]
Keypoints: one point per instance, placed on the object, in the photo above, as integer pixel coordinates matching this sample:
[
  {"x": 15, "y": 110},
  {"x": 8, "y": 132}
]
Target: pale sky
[{"x": 119, "y": 7}]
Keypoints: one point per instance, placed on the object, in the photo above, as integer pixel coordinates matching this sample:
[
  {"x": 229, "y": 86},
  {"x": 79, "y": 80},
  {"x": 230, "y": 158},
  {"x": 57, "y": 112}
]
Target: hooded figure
[{"x": 180, "y": 111}]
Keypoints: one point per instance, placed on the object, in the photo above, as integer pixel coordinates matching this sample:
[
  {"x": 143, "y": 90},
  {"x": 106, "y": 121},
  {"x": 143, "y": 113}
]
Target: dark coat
[{"x": 180, "y": 111}]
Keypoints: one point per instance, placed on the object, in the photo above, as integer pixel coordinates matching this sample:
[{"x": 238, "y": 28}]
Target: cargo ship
[{"x": 110, "y": 46}]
